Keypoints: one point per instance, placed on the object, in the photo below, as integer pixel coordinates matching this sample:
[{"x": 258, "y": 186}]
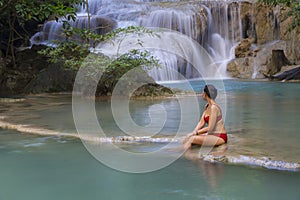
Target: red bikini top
[{"x": 206, "y": 118}]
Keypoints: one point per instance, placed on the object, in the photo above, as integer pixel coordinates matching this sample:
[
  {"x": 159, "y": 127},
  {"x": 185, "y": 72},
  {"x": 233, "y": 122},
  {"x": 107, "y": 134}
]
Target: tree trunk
[
  {"x": 277, "y": 61},
  {"x": 10, "y": 46},
  {"x": 89, "y": 16}
]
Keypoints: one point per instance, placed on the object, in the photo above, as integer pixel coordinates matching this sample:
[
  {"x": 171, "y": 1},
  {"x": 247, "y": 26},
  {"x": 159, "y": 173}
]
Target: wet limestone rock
[
  {"x": 291, "y": 36},
  {"x": 241, "y": 67},
  {"x": 244, "y": 48},
  {"x": 256, "y": 66},
  {"x": 54, "y": 78},
  {"x": 248, "y": 21},
  {"x": 266, "y": 24},
  {"x": 278, "y": 60},
  {"x": 275, "y": 42}
]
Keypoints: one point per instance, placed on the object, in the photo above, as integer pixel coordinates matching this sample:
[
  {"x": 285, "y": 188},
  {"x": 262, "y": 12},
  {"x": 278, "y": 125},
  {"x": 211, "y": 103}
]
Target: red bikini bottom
[{"x": 221, "y": 135}]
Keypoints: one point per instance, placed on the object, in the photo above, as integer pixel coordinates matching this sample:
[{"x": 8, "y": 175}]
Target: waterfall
[
  {"x": 223, "y": 34},
  {"x": 184, "y": 20},
  {"x": 214, "y": 25}
]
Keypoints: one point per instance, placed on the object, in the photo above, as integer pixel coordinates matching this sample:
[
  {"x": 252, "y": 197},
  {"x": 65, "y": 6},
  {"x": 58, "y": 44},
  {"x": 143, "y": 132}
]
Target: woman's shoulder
[{"x": 215, "y": 106}]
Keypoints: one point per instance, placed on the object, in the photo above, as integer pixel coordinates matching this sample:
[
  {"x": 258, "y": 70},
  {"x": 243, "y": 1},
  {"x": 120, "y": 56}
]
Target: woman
[{"x": 214, "y": 134}]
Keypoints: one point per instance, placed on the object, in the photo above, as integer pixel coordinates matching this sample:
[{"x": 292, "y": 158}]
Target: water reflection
[{"x": 211, "y": 171}]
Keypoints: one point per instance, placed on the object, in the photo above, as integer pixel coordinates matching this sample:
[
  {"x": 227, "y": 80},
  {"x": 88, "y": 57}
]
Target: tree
[
  {"x": 16, "y": 14},
  {"x": 75, "y": 55}
]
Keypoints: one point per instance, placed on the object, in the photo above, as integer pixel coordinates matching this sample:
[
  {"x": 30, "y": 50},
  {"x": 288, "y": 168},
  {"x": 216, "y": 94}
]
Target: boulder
[
  {"x": 102, "y": 25},
  {"x": 13, "y": 79},
  {"x": 260, "y": 65},
  {"x": 278, "y": 60},
  {"x": 243, "y": 49},
  {"x": 30, "y": 59},
  {"x": 54, "y": 78},
  {"x": 152, "y": 90},
  {"x": 241, "y": 67}
]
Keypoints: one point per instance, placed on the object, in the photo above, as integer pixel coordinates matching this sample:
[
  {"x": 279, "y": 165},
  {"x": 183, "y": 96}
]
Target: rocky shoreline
[
  {"x": 263, "y": 61},
  {"x": 33, "y": 74},
  {"x": 271, "y": 45}
]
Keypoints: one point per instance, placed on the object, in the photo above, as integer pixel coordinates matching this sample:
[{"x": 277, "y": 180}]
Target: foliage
[
  {"x": 72, "y": 53},
  {"x": 293, "y": 4},
  {"x": 112, "y": 70},
  {"x": 276, "y": 2},
  {"x": 14, "y": 14},
  {"x": 40, "y": 10},
  {"x": 69, "y": 53},
  {"x": 75, "y": 55},
  {"x": 134, "y": 59},
  {"x": 117, "y": 36},
  {"x": 295, "y": 12}
]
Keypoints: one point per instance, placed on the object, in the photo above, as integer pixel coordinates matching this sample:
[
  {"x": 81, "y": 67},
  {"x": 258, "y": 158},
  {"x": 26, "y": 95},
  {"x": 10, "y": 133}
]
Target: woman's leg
[{"x": 205, "y": 140}]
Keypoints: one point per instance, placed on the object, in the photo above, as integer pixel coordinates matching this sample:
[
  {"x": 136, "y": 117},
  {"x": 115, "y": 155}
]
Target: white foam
[
  {"x": 212, "y": 157},
  {"x": 248, "y": 160},
  {"x": 119, "y": 139}
]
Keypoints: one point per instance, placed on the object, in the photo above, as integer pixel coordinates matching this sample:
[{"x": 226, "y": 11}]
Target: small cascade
[
  {"x": 53, "y": 31},
  {"x": 176, "y": 48},
  {"x": 256, "y": 70},
  {"x": 169, "y": 62},
  {"x": 276, "y": 23},
  {"x": 184, "y": 19},
  {"x": 216, "y": 26},
  {"x": 223, "y": 34}
]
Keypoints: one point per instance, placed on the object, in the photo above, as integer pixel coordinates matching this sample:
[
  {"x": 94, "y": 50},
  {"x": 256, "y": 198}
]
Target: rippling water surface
[{"x": 260, "y": 161}]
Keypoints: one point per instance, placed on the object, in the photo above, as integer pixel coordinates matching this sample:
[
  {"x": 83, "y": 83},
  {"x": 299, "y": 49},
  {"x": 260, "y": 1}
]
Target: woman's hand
[
  {"x": 192, "y": 134},
  {"x": 188, "y": 136}
]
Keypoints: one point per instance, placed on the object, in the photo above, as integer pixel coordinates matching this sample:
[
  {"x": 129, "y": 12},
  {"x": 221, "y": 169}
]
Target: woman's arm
[{"x": 199, "y": 128}]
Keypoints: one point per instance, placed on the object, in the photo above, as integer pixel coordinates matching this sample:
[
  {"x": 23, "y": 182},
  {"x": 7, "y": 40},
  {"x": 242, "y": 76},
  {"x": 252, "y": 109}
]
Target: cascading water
[{"x": 215, "y": 25}]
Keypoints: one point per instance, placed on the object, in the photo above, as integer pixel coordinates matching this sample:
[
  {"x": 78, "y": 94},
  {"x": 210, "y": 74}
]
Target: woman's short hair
[{"x": 211, "y": 91}]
